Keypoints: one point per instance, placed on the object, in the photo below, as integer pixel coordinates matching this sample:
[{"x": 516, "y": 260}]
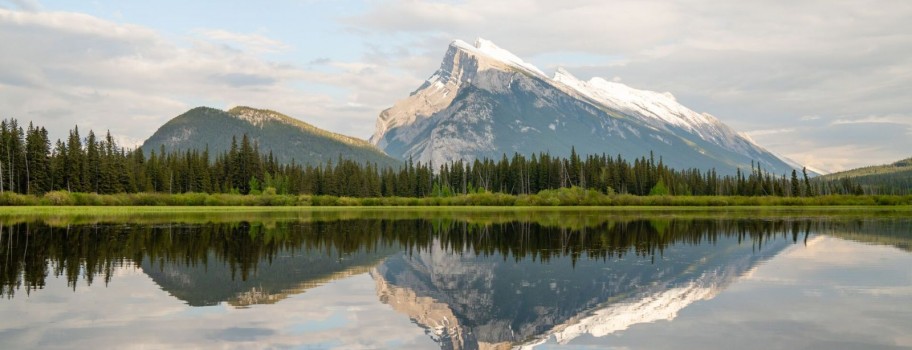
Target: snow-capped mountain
[{"x": 484, "y": 101}]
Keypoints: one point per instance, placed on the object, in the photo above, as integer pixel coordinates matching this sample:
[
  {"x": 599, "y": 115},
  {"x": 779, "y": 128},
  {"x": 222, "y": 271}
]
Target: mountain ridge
[
  {"x": 289, "y": 139},
  {"x": 883, "y": 169},
  {"x": 258, "y": 116},
  {"x": 893, "y": 178}
]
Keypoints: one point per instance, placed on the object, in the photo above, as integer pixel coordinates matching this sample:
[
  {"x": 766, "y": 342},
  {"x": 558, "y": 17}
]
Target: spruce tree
[
  {"x": 74, "y": 176},
  {"x": 807, "y": 183},
  {"x": 795, "y": 186}
]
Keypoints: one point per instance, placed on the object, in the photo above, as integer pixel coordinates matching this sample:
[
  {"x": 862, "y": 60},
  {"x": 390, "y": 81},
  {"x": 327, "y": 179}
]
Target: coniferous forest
[{"x": 31, "y": 164}]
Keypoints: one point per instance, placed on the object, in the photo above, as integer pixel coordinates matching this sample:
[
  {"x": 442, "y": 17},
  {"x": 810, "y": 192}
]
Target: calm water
[{"x": 465, "y": 280}]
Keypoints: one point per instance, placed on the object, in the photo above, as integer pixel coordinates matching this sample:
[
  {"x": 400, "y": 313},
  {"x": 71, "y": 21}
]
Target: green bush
[{"x": 10, "y": 198}]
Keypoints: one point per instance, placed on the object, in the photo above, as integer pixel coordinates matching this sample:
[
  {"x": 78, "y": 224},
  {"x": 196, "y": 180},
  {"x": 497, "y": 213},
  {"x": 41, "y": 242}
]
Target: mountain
[
  {"x": 902, "y": 167},
  {"x": 484, "y": 101},
  {"x": 288, "y": 138},
  {"x": 894, "y": 178}
]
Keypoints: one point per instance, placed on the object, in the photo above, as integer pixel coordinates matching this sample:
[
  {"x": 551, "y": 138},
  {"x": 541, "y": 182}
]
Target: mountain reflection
[
  {"x": 471, "y": 284},
  {"x": 471, "y": 301}
]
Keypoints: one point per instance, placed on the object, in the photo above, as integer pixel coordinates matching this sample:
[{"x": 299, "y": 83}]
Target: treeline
[{"x": 30, "y": 165}]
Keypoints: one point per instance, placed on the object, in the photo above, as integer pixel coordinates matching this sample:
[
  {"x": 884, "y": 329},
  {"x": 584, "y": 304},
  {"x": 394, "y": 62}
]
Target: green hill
[
  {"x": 289, "y": 139},
  {"x": 895, "y": 178}
]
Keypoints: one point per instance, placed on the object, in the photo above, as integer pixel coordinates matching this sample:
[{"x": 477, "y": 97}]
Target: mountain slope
[
  {"x": 288, "y": 138},
  {"x": 485, "y": 101},
  {"x": 897, "y": 168},
  {"x": 894, "y": 178}
]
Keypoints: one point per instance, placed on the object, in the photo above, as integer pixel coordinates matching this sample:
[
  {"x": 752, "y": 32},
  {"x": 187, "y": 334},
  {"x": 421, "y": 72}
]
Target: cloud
[
  {"x": 764, "y": 132},
  {"x": 72, "y": 68},
  {"x": 876, "y": 119},
  {"x": 254, "y": 43},
  {"x": 24, "y": 5}
]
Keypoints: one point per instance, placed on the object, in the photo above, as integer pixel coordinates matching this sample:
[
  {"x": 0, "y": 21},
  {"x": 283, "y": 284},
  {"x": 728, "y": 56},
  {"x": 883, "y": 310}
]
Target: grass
[
  {"x": 552, "y": 216},
  {"x": 573, "y": 197}
]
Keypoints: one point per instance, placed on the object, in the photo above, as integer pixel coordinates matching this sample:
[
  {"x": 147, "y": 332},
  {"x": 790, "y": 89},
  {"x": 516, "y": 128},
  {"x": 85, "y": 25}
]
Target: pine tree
[
  {"x": 807, "y": 183},
  {"x": 74, "y": 163},
  {"x": 795, "y": 187},
  {"x": 38, "y": 164},
  {"x": 92, "y": 167}
]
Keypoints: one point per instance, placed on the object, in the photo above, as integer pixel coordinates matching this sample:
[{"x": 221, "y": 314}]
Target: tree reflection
[{"x": 34, "y": 250}]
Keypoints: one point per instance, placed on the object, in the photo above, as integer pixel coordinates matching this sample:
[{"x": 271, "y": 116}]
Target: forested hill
[
  {"x": 287, "y": 138},
  {"x": 894, "y": 178}
]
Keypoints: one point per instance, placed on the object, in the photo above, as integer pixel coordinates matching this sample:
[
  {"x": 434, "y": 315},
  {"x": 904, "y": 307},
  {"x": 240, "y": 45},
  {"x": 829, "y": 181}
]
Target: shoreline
[{"x": 572, "y": 197}]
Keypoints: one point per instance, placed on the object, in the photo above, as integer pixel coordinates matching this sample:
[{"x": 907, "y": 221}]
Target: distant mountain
[
  {"x": 897, "y": 168},
  {"x": 894, "y": 178},
  {"x": 288, "y": 138},
  {"x": 485, "y": 101}
]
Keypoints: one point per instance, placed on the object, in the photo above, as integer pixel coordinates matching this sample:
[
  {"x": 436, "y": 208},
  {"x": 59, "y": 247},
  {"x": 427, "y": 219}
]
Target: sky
[{"x": 827, "y": 83}]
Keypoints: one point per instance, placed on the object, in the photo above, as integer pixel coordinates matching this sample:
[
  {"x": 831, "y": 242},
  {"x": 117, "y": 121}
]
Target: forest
[{"x": 30, "y": 164}]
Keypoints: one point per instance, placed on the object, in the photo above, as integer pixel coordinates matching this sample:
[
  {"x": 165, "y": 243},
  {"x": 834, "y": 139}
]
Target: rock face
[
  {"x": 288, "y": 138},
  {"x": 485, "y": 102}
]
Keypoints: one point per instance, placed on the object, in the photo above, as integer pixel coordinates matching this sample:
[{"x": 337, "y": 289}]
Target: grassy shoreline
[
  {"x": 566, "y": 216},
  {"x": 569, "y": 197}
]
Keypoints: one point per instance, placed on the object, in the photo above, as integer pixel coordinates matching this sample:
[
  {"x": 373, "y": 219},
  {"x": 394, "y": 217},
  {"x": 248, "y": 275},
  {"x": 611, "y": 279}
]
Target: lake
[{"x": 462, "y": 279}]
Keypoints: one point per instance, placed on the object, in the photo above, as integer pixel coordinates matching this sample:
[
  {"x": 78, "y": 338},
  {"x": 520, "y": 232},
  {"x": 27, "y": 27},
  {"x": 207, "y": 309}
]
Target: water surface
[{"x": 462, "y": 280}]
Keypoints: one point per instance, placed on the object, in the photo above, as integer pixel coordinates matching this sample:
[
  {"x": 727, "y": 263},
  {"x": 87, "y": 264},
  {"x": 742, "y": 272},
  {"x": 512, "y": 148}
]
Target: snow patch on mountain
[
  {"x": 488, "y": 48},
  {"x": 650, "y": 105}
]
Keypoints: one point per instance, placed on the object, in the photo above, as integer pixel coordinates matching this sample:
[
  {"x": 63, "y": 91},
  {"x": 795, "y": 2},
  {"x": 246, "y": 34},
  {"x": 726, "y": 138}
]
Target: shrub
[
  {"x": 58, "y": 198},
  {"x": 10, "y": 198}
]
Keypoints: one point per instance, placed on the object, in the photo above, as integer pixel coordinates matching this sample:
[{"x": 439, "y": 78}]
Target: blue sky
[
  {"x": 309, "y": 27},
  {"x": 826, "y": 83}
]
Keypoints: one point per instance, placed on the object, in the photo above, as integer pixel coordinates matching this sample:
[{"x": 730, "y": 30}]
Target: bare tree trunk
[
  {"x": 28, "y": 175},
  {"x": 9, "y": 163}
]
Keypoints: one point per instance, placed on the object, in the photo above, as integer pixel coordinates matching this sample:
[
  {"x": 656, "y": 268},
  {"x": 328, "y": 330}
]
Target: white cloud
[
  {"x": 876, "y": 119},
  {"x": 764, "y": 132},
  {"x": 254, "y": 43},
  {"x": 63, "y": 69}
]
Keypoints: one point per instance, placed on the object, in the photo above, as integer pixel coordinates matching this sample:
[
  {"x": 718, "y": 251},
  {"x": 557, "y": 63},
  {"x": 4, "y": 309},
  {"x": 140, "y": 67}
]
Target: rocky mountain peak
[{"x": 485, "y": 101}]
